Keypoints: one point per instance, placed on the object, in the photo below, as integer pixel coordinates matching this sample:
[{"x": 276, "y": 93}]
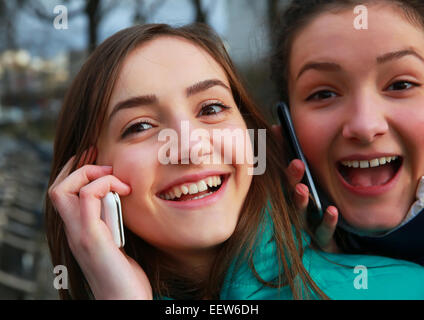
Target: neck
[{"x": 196, "y": 262}]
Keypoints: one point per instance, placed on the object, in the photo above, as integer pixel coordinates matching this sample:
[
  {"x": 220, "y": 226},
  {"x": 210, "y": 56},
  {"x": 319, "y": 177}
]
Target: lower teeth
[{"x": 202, "y": 196}]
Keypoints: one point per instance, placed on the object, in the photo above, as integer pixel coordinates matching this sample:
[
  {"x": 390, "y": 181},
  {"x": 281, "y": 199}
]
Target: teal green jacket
[{"x": 362, "y": 277}]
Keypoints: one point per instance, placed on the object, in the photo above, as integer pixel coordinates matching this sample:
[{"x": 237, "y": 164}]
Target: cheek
[
  {"x": 235, "y": 148},
  {"x": 314, "y": 137},
  {"x": 412, "y": 123},
  {"x": 138, "y": 168},
  {"x": 232, "y": 144},
  {"x": 410, "y": 127},
  {"x": 135, "y": 166}
]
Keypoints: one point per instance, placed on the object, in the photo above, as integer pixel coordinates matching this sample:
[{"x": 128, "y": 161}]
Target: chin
[
  {"x": 196, "y": 241},
  {"x": 373, "y": 221}
]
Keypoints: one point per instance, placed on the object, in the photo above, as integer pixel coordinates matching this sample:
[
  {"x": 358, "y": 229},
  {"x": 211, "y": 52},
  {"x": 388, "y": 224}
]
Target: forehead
[
  {"x": 168, "y": 60},
  {"x": 333, "y": 35}
]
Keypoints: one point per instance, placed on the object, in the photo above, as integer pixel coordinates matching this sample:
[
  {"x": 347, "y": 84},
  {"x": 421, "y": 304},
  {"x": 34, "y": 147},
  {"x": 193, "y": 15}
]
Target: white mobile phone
[{"x": 111, "y": 214}]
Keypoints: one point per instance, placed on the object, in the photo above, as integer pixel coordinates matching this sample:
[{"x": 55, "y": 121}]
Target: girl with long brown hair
[{"x": 139, "y": 81}]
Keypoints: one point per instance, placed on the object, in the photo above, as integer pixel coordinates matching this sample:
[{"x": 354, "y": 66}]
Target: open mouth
[
  {"x": 369, "y": 173},
  {"x": 194, "y": 190}
]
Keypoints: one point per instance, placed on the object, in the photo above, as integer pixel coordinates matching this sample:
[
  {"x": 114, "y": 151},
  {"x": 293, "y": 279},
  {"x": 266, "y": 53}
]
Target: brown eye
[
  {"x": 322, "y": 95},
  {"x": 137, "y": 128},
  {"x": 402, "y": 85},
  {"x": 212, "y": 109}
]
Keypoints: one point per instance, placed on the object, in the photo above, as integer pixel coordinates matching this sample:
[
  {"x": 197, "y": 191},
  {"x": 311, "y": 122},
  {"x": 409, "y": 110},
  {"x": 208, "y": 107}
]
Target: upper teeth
[
  {"x": 191, "y": 188},
  {"x": 368, "y": 163}
]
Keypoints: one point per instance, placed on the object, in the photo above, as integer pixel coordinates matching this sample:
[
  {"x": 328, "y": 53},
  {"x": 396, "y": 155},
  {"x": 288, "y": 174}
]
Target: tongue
[{"x": 369, "y": 176}]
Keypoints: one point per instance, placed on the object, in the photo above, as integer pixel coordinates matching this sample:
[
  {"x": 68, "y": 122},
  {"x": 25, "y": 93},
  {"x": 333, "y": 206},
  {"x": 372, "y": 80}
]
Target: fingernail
[
  {"x": 293, "y": 169},
  {"x": 301, "y": 189},
  {"x": 107, "y": 167},
  {"x": 331, "y": 211}
]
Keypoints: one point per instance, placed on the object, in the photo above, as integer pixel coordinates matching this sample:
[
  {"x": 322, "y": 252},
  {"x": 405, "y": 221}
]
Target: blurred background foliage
[{"x": 43, "y": 44}]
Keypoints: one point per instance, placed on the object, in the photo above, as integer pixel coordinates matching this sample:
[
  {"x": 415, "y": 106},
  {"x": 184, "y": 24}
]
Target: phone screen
[{"x": 315, "y": 212}]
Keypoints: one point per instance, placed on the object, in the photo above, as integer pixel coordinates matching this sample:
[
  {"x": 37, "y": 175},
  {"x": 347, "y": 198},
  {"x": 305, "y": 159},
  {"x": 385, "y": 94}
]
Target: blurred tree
[
  {"x": 93, "y": 10},
  {"x": 273, "y": 10},
  {"x": 201, "y": 13},
  {"x": 8, "y": 13}
]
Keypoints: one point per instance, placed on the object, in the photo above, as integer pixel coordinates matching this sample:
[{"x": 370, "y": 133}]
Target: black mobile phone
[{"x": 315, "y": 211}]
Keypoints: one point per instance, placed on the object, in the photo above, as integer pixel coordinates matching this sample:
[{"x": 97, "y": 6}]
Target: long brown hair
[{"x": 78, "y": 127}]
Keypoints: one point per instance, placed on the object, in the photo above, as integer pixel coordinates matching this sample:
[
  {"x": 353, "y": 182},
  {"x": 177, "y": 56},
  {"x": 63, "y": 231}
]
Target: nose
[
  {"x": 366, "y": 120},
  {"x": 194, "y": 143}
]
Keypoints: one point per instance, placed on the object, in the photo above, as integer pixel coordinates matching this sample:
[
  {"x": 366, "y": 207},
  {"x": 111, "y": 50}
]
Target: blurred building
[
  {"x": 24, "y": 79},
  {"x": 25, "y": 267},
  {"x": 29, "y": 91}
]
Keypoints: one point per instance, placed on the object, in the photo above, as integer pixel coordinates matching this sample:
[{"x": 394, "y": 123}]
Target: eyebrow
[
  {"x": 324, "y": 66},
  {"x": 152, "y": 99},
  {"x": 333, "y": 67},
  {"x": 133, "y": 102},
  {"x": 205, "y": 85},
  {"x": 397, "y": 55}
]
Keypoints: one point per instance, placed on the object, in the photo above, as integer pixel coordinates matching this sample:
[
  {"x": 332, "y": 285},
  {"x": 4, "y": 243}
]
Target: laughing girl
[{"x": 357, "y": 101}]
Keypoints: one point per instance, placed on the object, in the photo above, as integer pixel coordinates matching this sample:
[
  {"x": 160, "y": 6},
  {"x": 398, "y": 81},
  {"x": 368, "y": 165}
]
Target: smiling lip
[
  {"x": 370, "y": 191},
  {"x": 206, "y": 201}
]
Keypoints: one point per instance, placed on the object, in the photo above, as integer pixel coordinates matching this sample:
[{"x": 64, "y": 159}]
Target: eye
[
  {"x": 322, "y": 95},
  {"x": 137, "y": 128},
  {"x": 402, "y": 85},
  {"x": 212, "y": 109}
]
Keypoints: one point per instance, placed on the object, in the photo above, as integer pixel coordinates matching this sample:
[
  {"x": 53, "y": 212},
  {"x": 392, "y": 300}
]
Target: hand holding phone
[
  {"x": 295, "y": 152},
  {"x": 111, "y": 214},
  {"x": 77, "y": 198}
]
